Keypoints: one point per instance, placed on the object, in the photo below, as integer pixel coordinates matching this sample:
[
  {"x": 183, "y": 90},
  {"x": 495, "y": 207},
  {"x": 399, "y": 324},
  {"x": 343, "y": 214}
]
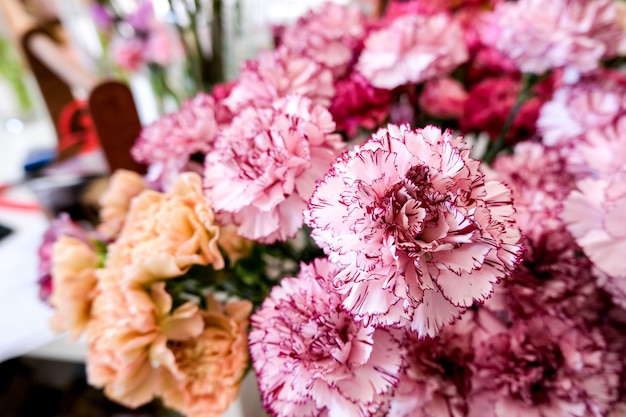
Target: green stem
[{"x": 500, "y": 143}]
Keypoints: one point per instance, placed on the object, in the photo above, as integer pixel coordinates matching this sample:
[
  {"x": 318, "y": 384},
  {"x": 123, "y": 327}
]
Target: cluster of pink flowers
[{"x": 421, "y": 213}]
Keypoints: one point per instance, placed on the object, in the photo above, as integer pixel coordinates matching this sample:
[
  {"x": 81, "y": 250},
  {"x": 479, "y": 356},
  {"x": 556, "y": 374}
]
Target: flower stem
[{"x": 500, "y": 142}]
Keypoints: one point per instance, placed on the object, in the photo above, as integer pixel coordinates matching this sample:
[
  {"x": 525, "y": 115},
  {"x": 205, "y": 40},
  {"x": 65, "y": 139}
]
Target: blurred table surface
[{"x": 24, "y": 319}]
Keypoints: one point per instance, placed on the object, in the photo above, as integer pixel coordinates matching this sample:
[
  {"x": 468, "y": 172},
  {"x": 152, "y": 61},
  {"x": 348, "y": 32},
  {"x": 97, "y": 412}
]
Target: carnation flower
[
  {"x": 74, "y": 264},
  {"x": 412, "y": 49},
  {"x": 443, "y": 98},
  {"x": 128, "y": 334},
  {"x": 312, "y": 358},
  {"x": 115, "y": 201},
  {"x": 207, "y": 370},
  {"x": 540, "y": 35},
  {"x": 177, "y": 136},
  {"x": 436, "y": 377},
  {"x": 595, "y": 214},
  {"x": 163, "y": 46},
  {"x": 359, "y": 104},
  {"x": 593, "y": 103},
  {"x": 128, "y": 53},
  {"x": 166, "y": 233},
  {"x": 489, "y": 103},
  {"x": 543, "y": 367},
  {"x": 328, "y": 36},
  {"x": 420, "y": 233},
  {"x": 278, "y": 74},
  {"x": 60, "y": 226},
  {"x": 266, "y": 163}
]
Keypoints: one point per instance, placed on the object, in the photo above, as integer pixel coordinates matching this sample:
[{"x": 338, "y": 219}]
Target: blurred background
[{"x": 78, "y": 80}]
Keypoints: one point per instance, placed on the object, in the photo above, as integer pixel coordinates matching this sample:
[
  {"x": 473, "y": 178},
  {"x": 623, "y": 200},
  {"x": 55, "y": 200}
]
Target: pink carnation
[
  {"x": 178, "y": 135},
  {"x": 358, "y": 104},
  {"x": 443, "y": 98},
  {"x": 328, "y": 36},
  {"x": 411, "y": 49},
  {"x": 420, "y": 233},
  {"x": 312, "y": 358},
  {"x": 540, "y": 35},
  {"x": 266, "y": 163},
  {"x": 163, "y": 45},
  {"x": 436, "y": 377},
  {"x": 544, "y": 367},
  {"x": 278, "y": 74},
  {"x": 594, "y": 102}
]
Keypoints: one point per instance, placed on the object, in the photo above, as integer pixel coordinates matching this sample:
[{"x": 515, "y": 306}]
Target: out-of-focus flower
[
  {"x": 436, "y": 378},
  {"x": 265, "y": 165},
  {"x": 115, "y": 201},
  {"x": 142, "y": 18},
  {"x": 127, "y": 337},
  {"x": 312, "y": 358},
  {"x": 489, "y": 103},
  {"x": 542, "y": 367},
  {"x": 128, "y": 54},
  {"x": 207, "y": 370},
  {"x": 74, "y": 264},
  {"x": 177, "y": 136},
  {"x": 443, "y": 98},
  {"x": 166, "y": 233},
  {"x": 488, "y": 62},
  {"x": 412, "y": 49},
  {"x": 540, "y": 36},
  {"x": 61, "y": 226},
  {"x": 234, "y": 246},
  {"x": 278, "y": 74},
  {"x": 420, "y": 233},
  {"x": 359, "y": 104},
  {"x": 328, "y": 36},
  {"x": 101, "y": 16},
  {"x": 163, "y": 46}
]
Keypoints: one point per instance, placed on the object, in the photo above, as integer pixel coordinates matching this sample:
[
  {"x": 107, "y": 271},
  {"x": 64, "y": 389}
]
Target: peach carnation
[
  {"x": 128, "y": 336},
  {"x": 74, "y": 265},
  {"x": 166, "y": 233},
  {"x": 115, "y": 201},
  {"x": 206, "y": 373}
]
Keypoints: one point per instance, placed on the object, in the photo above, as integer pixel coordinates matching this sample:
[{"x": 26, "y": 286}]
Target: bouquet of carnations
[{"x": 417, "y": 214}]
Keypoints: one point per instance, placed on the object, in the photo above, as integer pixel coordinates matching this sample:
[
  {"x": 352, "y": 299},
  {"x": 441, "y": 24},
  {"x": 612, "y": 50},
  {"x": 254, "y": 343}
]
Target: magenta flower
[
  {"x": 443, "y": 98},
  {"x": 178, "y": 135},
  {"x": 265, "y": 165},
  {"x": 436, "y": 377},
  {"x": 540, "y": 35},
  {"x": 412, "y": 49},
  {"x": 358, "y": 104},
  {"x": 328, "y": 36},
  {"x": 312, "y": 359},
  {"x": 544, "y": 367},
  {"x": 420, "y": 233},
  {"x": 278, "y": 74}
]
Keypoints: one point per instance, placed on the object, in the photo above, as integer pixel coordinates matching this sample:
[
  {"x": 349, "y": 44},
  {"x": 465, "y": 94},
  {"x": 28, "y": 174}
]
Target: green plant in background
[{"x": 12, "y": 70}]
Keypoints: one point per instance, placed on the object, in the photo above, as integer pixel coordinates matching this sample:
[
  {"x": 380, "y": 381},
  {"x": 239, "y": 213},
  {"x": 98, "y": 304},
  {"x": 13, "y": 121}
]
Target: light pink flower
[
  {"x": 420, "y": 233},
  {"x": 178, "y": 135},
  {"x": 163, "y": 45},
  {"x": 128, "y": 54},
  {"x": 543, "y": 367},
  {"x": 540, "y": 35},
  {"x": 328, "y": 36},
  {"x": 312, "y": 358},
  {"x": 443, "y": 98},
  {"x": 412, "y": 49},
  {"x": 278, "y": 74},
  {"x": 596, "y": 215},
  {"x": 266, "y": 163},
  {"x": 359, "y": 104},
  {"x": 436, "y": 378}
]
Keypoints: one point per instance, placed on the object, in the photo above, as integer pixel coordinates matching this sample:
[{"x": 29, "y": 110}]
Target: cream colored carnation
[
  {"x": 115, "y": 201},
  {"x": 166, "y": 233},
  {"x": 208, "y": 370},
  {"x": 128, "y": 337},
  {"x": 73, "y": 281}
]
